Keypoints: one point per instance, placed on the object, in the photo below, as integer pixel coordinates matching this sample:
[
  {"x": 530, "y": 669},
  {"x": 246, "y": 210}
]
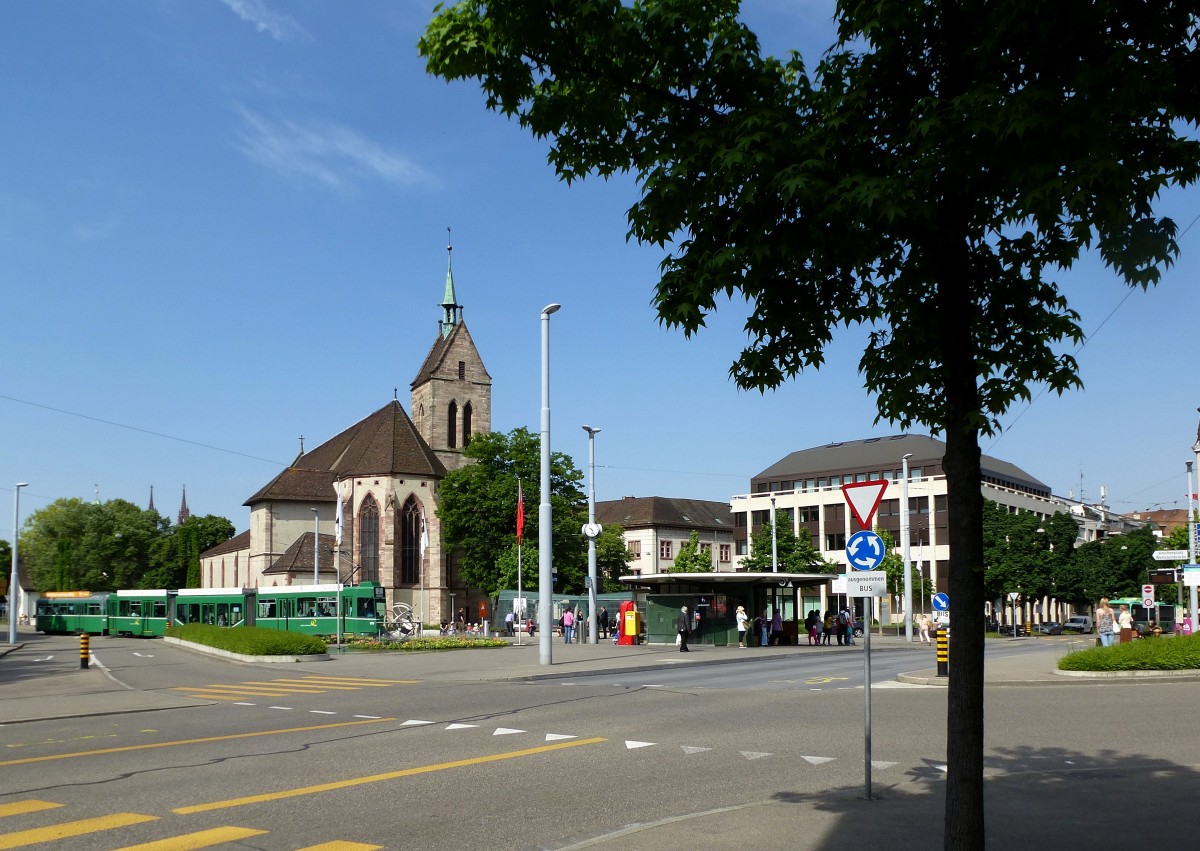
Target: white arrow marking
[
  {"x": 554, "y": 737},
  {"x": 691, "y": 750},
  {"x": 753, "y": 754},
  {"x": 415, "y": 723},
  {"x": 506, "y": 731},
  {"x": 632, "y": 745},
  {"x": 818, "y": 760},
  {"x": 144, "y": 655},
  {"x": 47, "y": 659},
  {"x": 879, "y": 763},
  {"x": 460, "y": 726},
  {"x": 941, "y": 768}
]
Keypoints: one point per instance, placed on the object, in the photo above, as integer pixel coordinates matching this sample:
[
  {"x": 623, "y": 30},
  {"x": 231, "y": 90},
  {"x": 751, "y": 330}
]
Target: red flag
[{"x": 520, "y": 512}]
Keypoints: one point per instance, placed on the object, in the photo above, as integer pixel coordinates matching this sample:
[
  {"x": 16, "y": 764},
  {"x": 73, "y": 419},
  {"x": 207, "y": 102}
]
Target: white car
[{"x": 1078, "y": 623}]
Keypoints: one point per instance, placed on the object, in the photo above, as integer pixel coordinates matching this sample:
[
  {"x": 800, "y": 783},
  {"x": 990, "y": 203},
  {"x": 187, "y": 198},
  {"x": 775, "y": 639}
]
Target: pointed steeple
[
  {"x": 184, "y": 514},
  {"x": 151, "y": 506},
  {"x": 451, "y": 309}
]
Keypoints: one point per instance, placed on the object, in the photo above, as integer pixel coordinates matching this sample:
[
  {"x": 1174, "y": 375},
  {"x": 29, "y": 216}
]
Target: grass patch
[
  {"x": 437, "y": 642},
  {"x": 1166, "y": 653},
  {"x": 251, "y": 640}
]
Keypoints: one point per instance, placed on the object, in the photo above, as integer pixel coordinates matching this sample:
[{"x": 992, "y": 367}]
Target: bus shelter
[{"x": 712, "y": 600}]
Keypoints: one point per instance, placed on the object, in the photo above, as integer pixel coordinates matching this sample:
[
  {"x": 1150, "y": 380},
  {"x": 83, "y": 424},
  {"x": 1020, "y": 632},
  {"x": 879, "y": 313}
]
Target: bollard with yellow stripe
[
  {"x": 942, "y": 639},
  {"x": 85, "y": 650}
]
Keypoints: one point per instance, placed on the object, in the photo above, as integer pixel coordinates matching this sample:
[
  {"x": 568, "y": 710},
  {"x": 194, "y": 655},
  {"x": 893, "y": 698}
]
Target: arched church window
[
  {"x": 467, "y": 411},
  {"x": 368, "y": 546},
  {"x": 452, "y": 425},
  {"x": 409, "y": 535}
]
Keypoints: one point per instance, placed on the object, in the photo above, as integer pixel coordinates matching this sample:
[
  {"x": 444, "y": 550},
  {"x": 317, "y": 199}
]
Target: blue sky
[{"x": 223, "y": 226}]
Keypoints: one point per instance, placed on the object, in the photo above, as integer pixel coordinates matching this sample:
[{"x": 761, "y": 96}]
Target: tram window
[
  {"x": 93, "y": 608},
  {"x": 326, "y": 607},
  {"x": 160, "y": 609},
  {"x": 222, "y": 614},
  {"x": 306, "y": 607},
  {"x": 266, "y": 608},
  {"x": 366, "y": 608}
]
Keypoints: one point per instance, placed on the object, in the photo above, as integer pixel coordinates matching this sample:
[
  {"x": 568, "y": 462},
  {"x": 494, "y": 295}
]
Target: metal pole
[
  {"x": 593, "y": 637},
  {"x": 1192, "y": 591},
  {"x": 904, "y": 549},
  {"x": 316, "y": 547},
  {"x": 774, "y": 542},
  {"x": 545, "y": 511},
  {"x": 14, "y": 583},
  {"x": 868, "y": 605}
]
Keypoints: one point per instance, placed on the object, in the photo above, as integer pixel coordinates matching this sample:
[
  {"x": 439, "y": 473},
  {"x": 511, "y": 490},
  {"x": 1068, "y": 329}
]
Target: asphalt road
[{"x": 357, "y": 753}]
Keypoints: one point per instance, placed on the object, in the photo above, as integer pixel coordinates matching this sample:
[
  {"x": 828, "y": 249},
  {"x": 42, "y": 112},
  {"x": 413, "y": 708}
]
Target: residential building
[{"x": 656, "y": 527}]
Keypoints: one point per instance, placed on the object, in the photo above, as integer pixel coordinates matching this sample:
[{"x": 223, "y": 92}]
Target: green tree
[
  {"x": 612, "y": 559},
  {"x": 793, "y": 555},
  {"x": 927, "y": 180},
  {"x": 175, "y": 554},
  {"x": 691, "y": 558},
  {"x": 477, "y": 507}
]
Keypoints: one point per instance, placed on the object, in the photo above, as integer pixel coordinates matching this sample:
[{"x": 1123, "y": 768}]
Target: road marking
[
  {"x": 634, "y": 745},
  {"x": 554, "y": 737},
  {"x": 461, "y": 726},
  {"x": 283, "y": 686},
  {"x": 753, "y": 754},
  {"x": 284, "y": 708},
  {"x": 19, "y": 808},
  {"x": 689, "y": 749},
  {"x": 818, "y": 760},
  {"x": 378, "y": 778},
  {"x": 204, "y": 740},
  {"x": 322, "y": 712},
  {"x": 506, "y": 731},
  {"x": 816, "y": 680},
  {"x": 21, "y": 838},
  {"x": 199, "y": 839},
  {"x": 415, "y": 723},
  {"x": 340, "y": 845}
]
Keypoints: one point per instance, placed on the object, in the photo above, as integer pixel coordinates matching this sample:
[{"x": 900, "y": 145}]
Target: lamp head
[
  {"x": 20, "y": 485},
  {"x": 592, "y": 431},
  {"x": 906, "y": 457},
  {"x": 550, "y": 308}
]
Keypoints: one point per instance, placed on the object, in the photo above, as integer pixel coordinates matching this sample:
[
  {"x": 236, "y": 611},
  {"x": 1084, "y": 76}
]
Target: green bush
[
  {"x": 251, "y": 640},
  {"x": 436, "y": 642},
  {"x": 1166, "y": 653}
]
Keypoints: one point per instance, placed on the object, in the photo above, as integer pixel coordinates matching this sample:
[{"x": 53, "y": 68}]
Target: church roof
[
  {"x": 298, "y": 558},
  {"x": 385, "y": 443},
  {"x": 438, "y": 351}
]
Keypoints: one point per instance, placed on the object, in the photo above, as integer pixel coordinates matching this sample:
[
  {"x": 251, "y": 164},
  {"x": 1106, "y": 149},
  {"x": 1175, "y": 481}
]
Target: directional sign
[
  {"x": 1191, "y": 575},
  {"x": 864, "y": 550},
  {"x": 1170, "y": 555},
  {"x": 941, "y": 602},
  {"x": 867, "y": 583},
  {"x": 864, "y": 499}
]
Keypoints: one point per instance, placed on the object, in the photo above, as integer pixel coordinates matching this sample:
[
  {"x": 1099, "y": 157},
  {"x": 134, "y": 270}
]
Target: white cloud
[
  {"x": 279, "y": 26},
  {"x": 330, "y": 154}
]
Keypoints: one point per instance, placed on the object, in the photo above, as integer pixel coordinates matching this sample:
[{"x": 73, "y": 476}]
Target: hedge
[
  {"x": 251, "y": 640},
  {"x": 1165, "y": 653}
]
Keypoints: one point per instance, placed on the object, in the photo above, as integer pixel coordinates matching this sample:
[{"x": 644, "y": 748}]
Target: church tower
[{"x": 452, "y": 393}]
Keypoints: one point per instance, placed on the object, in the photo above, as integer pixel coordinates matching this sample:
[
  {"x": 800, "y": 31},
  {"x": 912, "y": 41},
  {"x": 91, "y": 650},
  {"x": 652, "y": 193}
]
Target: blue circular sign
[
  {"x": 864, "y": 550},
  {"x": 941, "y": 602}
]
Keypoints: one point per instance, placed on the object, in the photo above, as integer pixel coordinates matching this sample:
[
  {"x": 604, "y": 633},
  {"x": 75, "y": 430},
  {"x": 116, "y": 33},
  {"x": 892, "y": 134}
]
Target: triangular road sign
[{"x": 864, "y": 499}]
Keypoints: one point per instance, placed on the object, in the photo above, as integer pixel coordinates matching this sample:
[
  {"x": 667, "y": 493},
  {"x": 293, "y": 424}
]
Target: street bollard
[
  {"x": 942, "y": 640},
  {"x": 84, "y": 650}
]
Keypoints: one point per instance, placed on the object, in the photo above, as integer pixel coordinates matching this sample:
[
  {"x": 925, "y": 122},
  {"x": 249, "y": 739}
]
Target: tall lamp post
[
  {"x": 904, "y": 548},
  {"x": 591, "y": 531},
  {"x": 14, "y": 584},
  {"x": 1192, "y": 595},
  {"x": 316, "y": 547},
  {"x": 774, "y": 541},
  {"x": 545, "y": 512}
]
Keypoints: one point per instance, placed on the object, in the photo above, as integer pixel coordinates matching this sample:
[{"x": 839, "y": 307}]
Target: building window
[
  {"x": 664, "y": 550},
  {"x": 368, "y": 546},
  {"x": 809, "y": 514},
  {"x": 462, "y": 369},
  {"x": 410, "y": 543},
  {"x": 723, "y": 553},
  {"x": 633, "y": 550},
  {"x": 452, "y": 425},
  {"x": 706, "y": 548},
  {"x": 743, "y": 548},
  {"x": 835, "y": 541},
  {"x": 466, "y": 418}
]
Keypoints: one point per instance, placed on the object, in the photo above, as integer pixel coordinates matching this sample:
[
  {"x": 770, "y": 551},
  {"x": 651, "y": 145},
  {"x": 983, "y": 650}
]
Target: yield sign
[{"x": 864, "y": 499}]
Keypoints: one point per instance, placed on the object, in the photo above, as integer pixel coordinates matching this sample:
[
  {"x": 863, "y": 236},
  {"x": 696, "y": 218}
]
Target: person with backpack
[
  {"x": 842, "y": 621},
  {"x": 827, "y": 628}
]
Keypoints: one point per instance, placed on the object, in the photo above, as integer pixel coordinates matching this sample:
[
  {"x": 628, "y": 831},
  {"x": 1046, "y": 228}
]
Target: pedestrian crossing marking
[
  {"x": 341, "y": 846},
  {"x": 65, "y": 830},
  {"x": 20, "y": 808},
  {"x": 199, "y": 839},
  {"x": 286, "y": 685}
]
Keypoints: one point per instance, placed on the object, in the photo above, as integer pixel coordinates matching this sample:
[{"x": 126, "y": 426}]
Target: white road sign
[
  {"x": 866, "y": 583},
  {"x": 1170, "y": 555}
]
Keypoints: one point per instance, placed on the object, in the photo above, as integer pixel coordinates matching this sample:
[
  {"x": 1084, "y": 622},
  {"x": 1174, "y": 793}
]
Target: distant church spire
[
  {"x": 151, "y": 508},
  {"x": 451, "y": 309},
  {"x": 184, "y": 514}
]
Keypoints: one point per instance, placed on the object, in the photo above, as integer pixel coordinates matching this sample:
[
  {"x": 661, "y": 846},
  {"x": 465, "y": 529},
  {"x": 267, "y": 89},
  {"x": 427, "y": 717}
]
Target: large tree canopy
[{"x": 944, "y": 160}]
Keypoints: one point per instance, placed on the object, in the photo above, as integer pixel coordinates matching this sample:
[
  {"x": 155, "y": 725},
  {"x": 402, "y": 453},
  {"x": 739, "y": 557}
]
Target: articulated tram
[{"x": 311, "y": 609}]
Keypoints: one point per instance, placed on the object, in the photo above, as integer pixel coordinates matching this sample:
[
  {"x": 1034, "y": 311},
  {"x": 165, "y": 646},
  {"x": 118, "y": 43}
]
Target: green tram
[{"x": 311, "y": 609}]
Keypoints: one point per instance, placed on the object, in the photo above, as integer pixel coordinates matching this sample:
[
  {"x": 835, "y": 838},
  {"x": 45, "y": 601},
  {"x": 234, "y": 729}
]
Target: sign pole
[{"x": 867, "y": 704}]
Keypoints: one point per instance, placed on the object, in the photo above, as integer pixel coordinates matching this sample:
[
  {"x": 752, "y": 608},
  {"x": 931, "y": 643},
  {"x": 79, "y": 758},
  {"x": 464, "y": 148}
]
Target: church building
[{"x": 362, "y": 506}]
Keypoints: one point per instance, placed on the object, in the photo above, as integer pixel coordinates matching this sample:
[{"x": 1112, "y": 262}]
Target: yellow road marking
[
  {"x": 812, "y": 681},
  {"x": 199, "y": 839},
  {"x": 378, "y": 778},
  {"x": 372, "y": 682},
  {"x": 18, "y": 808},
  {"x": 21, "y": 838},
  {"x": 149, "y": 745},
  {"x": 341, "y": 846}
]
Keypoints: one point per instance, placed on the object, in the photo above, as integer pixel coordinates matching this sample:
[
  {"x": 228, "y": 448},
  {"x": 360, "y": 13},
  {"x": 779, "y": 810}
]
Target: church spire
[
  {"x": 151, "y": 508},
  {"x": 451, "y": 309},
  {"x": 184, "y": 514}
]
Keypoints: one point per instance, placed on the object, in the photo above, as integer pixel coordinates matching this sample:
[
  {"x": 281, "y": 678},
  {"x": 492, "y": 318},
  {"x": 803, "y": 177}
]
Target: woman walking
[{"x": 1106, "y": 623}]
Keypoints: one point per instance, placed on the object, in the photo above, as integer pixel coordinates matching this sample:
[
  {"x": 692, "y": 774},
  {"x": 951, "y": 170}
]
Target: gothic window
[
  {"x": 467, "y": 411},
  {"x": 409, "y": 534},
  {"x": 452, "y": 425},
  {"x": 368, "y": 547}
]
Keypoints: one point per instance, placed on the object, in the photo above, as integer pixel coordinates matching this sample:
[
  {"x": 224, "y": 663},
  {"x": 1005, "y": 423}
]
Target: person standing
[
  {"x": 849, "y": 625},
  {"x": 742, "y": 623},
  {"x": 684, "y": 625},
  {"x": 602, "y": 622},
  {"x": 764, "y": 624},
  {"x": 924, "y": 622},
  {"x": 568, "y": 621},
  {"x": 1125, "y": 622},
  {"x": 776, "y": 628},
  {"x": 827, "y": 628},
  {"x": 1106, "y": 623},
  {"x": 509, "y": 620}
]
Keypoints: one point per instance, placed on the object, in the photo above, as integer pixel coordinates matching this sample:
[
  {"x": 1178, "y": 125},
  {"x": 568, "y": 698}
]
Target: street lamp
[
  {"x": 1192, "y": 593},
  {"x": 14, "y": 585},
  {"x": 774, "y": 541},
  {"x": 316, "y": 547},
  {"x": 545, "y": 512},
  {"x": 592, "y": 531},
  {"x": 904, "y": 548}
]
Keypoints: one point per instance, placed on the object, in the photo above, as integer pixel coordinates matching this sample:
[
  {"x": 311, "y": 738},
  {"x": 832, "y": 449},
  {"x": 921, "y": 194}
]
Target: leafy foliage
[
  {"x": 691, "y": 558},
  {"x": 477, "y": 508},
  {"x": 431, "y": 642},
  {"x": 1165, "y": 653},
  {"x": 794, "y": 555},
  {"x": 251, "y": 640}
]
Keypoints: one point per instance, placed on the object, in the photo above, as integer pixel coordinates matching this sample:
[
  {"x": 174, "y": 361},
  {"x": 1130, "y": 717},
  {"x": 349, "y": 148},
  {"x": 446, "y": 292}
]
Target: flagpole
[{"x": 520, "y": 535}]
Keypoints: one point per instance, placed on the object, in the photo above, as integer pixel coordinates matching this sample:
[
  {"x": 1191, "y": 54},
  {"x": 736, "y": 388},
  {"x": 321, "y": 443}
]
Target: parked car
[
  {"x": 1049, "y": 628},
  {"x": 1007, "y": 629},
  {"x": 1078, "y": 623}
]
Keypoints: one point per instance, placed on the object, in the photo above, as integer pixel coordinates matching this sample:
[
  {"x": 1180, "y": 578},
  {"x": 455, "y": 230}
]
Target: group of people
[
  {"x": 820, "y": 630},
  {"x": 1112, "y": 623}
]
